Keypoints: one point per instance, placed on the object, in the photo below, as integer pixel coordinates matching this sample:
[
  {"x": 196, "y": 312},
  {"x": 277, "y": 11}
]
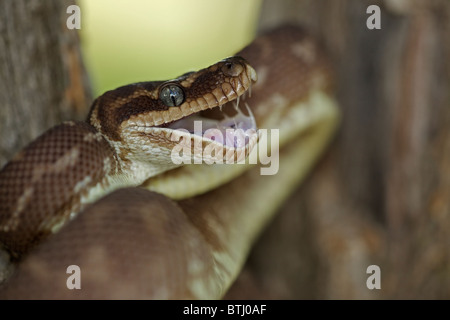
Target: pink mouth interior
[{"x": 227, "y": 125}]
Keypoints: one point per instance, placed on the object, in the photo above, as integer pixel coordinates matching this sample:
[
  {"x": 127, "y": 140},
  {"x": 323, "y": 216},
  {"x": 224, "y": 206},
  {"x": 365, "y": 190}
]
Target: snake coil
[{"x": 75, "y": 188}]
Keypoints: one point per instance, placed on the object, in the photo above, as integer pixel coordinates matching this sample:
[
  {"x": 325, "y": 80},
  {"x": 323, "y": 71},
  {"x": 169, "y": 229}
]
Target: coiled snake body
[{"x": 130, "y": 242}]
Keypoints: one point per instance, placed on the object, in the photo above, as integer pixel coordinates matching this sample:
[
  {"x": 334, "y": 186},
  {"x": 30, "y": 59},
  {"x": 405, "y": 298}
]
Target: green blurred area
[{"x": 145, "y": 40}]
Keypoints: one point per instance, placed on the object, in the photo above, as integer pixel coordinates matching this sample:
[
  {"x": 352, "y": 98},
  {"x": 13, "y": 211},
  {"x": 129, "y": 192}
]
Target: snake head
[{"x": 199, "y": 111}]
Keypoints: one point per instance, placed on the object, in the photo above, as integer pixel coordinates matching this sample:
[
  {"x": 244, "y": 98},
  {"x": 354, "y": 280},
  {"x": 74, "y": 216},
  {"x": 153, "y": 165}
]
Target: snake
[{"x": 108, "y": 196}]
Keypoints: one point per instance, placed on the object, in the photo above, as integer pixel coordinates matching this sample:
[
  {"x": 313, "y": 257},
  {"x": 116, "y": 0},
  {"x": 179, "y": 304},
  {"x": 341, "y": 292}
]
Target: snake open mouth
[{"x": 232, "y": 125}]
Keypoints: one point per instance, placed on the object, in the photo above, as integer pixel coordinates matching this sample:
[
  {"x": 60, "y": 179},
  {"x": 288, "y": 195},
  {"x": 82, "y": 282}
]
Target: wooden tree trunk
[
  {"x": 381, "y": 196},
  {"x": 42, "y": 78}
]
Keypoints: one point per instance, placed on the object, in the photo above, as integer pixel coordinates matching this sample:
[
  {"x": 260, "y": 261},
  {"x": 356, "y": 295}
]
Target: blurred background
[
  {"x": 159, "y": 40},
  {"x": 380, "y": 195}
]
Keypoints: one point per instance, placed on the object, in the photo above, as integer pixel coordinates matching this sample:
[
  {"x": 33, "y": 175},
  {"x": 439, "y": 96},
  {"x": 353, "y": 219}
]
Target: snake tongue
[{"x": 232, "y": 138}]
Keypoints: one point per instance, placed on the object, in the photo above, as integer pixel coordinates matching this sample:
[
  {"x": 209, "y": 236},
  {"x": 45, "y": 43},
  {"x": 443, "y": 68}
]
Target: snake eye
[{"x": 171, "y": 95}]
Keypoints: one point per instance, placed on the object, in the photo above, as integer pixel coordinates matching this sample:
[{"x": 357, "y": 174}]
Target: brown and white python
[{"x": 79, "y": 194}]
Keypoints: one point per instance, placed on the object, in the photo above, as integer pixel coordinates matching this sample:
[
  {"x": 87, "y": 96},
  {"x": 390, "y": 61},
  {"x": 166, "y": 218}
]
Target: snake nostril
[{"x": 232, "y": 69}]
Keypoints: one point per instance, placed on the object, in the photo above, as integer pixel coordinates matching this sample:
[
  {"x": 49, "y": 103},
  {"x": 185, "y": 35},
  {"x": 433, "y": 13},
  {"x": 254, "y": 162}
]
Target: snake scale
[{"x": 105, "y": 195}]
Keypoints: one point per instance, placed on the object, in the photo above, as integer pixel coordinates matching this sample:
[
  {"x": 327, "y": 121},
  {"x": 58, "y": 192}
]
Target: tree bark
[
  {"x": 381, "y": 195},
  {"x": 42, "y": 76}
]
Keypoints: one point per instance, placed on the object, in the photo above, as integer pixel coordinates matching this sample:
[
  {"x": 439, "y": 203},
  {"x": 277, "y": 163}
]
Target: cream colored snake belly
[{"x": 100, "y": 194}]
